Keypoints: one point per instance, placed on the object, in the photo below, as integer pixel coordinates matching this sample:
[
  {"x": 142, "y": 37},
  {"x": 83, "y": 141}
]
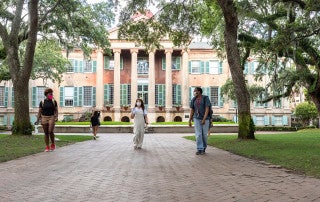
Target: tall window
[
  {"x": 2, "y": 122},
  {"x": 176, "y": 63},
  {"x": 68, "y": 96},
  {"x": 87, "y": 96},
  {"x": 40, "y": 94},
  {"x": 260, "y": 121},
  {"x": 278, "y": 121},
  {"x": 176, "y": 94},
  {"x": 160, "y": 94},
  {"x": 143, "y": 65},
  {"x": 214, "y": 96},
  {"x": 2, "y": 96},
  {"x": 214, "y": 67},
  {"x": 70, "y": 67},
  {"x": 125, "y": 94},
  {"x": 87, "y": 66},
  {"x": 195, "y": 67},
  {"x": 108, "y": 94}
]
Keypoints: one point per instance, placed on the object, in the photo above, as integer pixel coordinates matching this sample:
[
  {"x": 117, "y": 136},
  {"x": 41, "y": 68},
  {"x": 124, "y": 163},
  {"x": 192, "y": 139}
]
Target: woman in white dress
[{"x": 139, "y": 114}]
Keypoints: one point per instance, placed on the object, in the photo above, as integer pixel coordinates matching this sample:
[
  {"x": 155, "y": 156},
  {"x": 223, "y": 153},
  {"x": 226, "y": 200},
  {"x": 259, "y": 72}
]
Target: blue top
[{"x": 199, "y": 106}]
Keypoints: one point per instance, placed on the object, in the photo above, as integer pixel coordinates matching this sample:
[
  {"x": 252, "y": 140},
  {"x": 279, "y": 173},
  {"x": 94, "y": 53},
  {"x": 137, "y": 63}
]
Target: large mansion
[{"x": 164, "y": 79}]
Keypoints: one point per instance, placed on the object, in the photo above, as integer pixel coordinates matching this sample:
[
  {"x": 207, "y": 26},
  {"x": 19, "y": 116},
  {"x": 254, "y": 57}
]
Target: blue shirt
[{"x": 200, "y": 108}]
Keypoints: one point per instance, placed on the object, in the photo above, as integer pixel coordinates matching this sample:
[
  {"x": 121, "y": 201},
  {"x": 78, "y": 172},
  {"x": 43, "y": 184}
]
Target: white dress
[{"x": 138, "y": 129}]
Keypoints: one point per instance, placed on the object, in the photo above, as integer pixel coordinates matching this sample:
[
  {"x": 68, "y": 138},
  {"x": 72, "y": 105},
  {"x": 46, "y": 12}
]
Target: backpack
[
  {"x": 210, "y": 106},
  {"x": 53, "y": 102}
]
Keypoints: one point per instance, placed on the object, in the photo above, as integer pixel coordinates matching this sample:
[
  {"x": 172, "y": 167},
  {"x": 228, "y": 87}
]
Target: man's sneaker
[
  {"x": 47, "y": 149},
  {"x": 53, "y": 147},
  {"x": 199, "y": 152}
]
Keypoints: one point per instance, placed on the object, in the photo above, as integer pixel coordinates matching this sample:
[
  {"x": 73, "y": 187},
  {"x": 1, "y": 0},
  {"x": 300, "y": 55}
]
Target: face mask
[
  {"x": 138, "y": 104},
  {"x": 50, "y": 97}
]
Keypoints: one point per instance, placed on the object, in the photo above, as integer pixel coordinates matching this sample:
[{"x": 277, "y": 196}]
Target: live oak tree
[
  {"x": 182, "y": 19},
  {"x": 73, "y": 23},
  {"x": 280, "y": 32}
]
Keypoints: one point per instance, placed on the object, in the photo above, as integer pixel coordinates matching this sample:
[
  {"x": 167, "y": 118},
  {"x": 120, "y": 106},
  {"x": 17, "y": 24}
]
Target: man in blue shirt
[{"x": 200, "y": 115}]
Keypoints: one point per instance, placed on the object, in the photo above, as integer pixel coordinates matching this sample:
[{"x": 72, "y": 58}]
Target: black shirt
[{"x": 48, "y": 107}]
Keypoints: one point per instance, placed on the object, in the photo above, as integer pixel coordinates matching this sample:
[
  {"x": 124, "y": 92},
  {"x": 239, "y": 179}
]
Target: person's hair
[
  {"x": 198, "y": 89},
  {"x": 47, "y": 91},
  {"x": 96, "y": 114},
  {"x": 142, "y": 104}
]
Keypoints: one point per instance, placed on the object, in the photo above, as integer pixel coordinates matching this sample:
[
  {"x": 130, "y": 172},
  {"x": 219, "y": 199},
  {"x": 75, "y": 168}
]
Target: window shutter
[
  {"x": 285, "y": 120},
  {"x": 163, "y": 62},
  {"x": 75, "y": 67},
  {"x": 106, "y": 61},
  {"x": 5, "y": 120},
  {"x": 81, "y": 66},
  {"x": 33, "y": 118},
  {"x": 179, "y": 94},
  {"x": 6, "y": 96},
  {"x": 220, "y": 97},
  {"x": 266, "y": 120},
  {"x": 235, "y": 118},
  {"x": 93, "y": 96},
  {"x": 201, "y": 67},
  {"x": 272, "y": 120},
  {"x": 34, "y": 96},
  {"x": 207, "y": 67},
  {"x": 61, "y": 96},
  {"x": 178, "y": 62},
  {"x": 94, "y": 66},
  {"x": 254, "y": 118},
  {"x": 121, "y": 62},
  {"x": 189, "y": 67},
  {"x": 12, "y": 98},
  {"x": 108, "y": 94},
  {"x": 206, "y": 91},
  {"x": 75, "y": 97},
  {"x": 80, "y": 93},
  {"x": 11, "y": 120},
  {"x": 220, "y": 67},
  {"x": 251, "y": 67},
  {"x": 245, "y": 71}
]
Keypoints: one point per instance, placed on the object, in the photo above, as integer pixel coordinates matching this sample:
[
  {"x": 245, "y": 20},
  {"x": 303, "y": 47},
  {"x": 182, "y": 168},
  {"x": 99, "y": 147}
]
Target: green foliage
[
  {"x": 49, "y": 63},
  {"x": 283, "y": 35},
  {"x": 306, "y": 112},
  {"x": 274, "y": 128}
]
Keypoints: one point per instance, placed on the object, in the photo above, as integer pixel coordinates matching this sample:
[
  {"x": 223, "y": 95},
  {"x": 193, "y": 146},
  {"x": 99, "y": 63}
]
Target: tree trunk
[
  {"x": 20, "y": 75},
  {"x": 22, "y": 125},
  {"x": 246, "y": 126}
]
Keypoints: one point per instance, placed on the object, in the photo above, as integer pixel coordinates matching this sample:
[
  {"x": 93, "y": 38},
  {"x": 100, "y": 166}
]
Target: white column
[
  {"x": 116, "y": 94},
  {"x": 168, "y": 84},
  {"x": 134, "y": 76},
  {"x": 152, "y": 80},
  {"x": 185, "y": 80},
  {"x": 151, "y": 87},
  {"x": 99, "y": 81}
]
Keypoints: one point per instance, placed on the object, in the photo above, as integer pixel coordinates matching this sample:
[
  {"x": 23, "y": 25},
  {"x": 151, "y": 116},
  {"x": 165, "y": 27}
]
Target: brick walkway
[{"x": 166, "y": 169}]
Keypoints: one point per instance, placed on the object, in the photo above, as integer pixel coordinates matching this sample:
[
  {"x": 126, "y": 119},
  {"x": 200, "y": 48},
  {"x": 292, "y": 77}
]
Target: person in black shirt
[
  {"x": 48, "y": 115},
  {"x": 95, "y": 123}
]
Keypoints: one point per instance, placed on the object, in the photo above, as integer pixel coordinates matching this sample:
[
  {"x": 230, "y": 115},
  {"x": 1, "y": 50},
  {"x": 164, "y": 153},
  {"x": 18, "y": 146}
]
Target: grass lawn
[
  {"x": 12, "y": 147},
  {"x": 298, "y": 151}
]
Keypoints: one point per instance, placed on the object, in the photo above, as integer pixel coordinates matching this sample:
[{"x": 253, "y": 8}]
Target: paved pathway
[{"x": 166, "y": 169}]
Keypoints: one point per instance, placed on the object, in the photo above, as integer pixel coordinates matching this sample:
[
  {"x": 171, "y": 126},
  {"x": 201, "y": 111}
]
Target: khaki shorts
[{"x": 47, "y": 119}]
